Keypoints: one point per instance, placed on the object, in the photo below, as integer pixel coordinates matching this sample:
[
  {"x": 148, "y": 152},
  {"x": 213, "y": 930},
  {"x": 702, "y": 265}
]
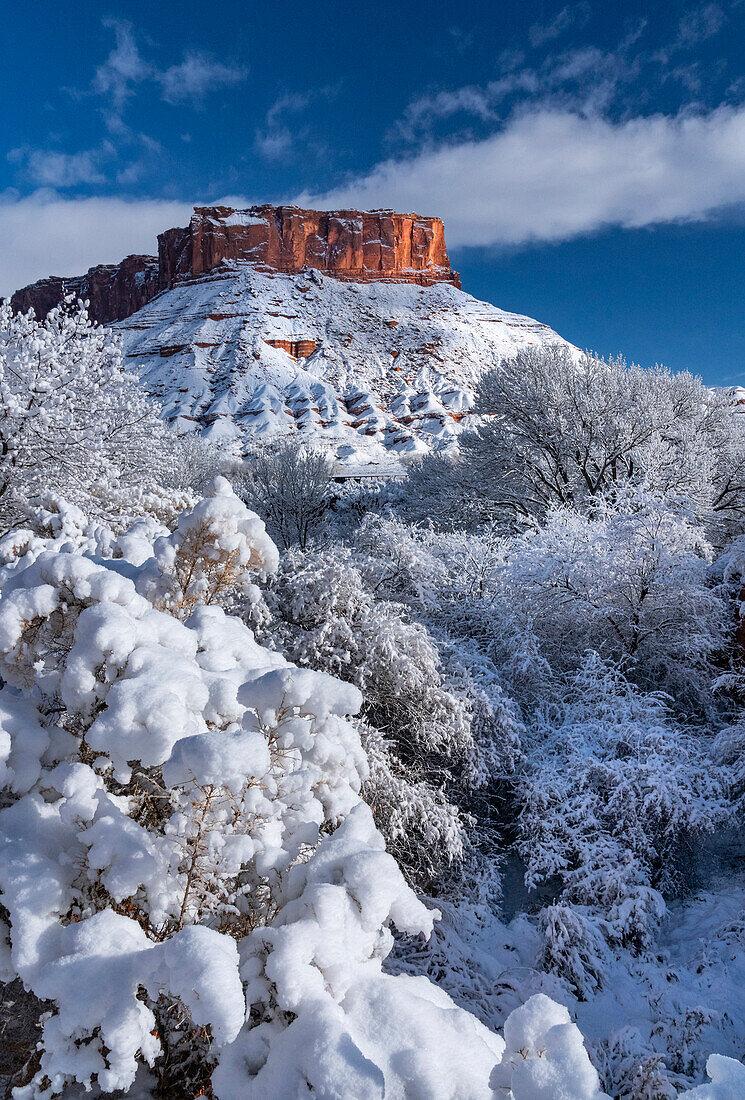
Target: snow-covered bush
[
  {"x": 727, "y": 1080},
  {"x": 544, "y": 1056},
  {"x": 211, "y": 554},
  {"x": 610, "y": 800},
  {"x": 167, "y": 801},
  {"x": 417, "y": 734},
  {"x": 328, "y": 1021},
  {"x": 74, "y": 421}
]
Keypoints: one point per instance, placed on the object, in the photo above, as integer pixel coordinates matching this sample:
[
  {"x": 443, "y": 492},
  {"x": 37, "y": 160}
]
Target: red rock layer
[
  {"x": 347, "y": 244},
  {"x": 298, "y": 349}
]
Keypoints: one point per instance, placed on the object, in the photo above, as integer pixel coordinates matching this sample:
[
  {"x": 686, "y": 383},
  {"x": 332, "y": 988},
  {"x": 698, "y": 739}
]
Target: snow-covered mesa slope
[{"x": 372, "y": 371}]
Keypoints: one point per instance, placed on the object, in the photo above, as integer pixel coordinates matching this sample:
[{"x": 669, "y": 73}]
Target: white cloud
[
  {"x": 51, "y": 168},
  {"x": 274, "y": 145},
  {"x": 197, "y": 75},
  {"x": 54, "y": 168},
  {"x": 44, "y": 234},
  {"x": 553, "y": 174},
  {"x": 123, "y": 67}
]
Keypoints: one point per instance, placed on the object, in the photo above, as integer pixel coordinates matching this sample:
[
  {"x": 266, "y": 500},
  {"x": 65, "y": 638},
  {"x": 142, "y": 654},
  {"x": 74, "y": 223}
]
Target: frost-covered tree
[
  {"x": 290, "y": 487},
  {"x": 73, "y": 420},
  {"x": 417, "y": 733},
  {"x": 611, "y": 798},
  {"x": 631, "y": 583},
  {"x": 562, "y": 430}
]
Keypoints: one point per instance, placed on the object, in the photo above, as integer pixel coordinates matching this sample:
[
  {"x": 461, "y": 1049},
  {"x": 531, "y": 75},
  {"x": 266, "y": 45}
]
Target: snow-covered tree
[
  {"x": 631, "y": 583},
  {"x": 73, "y": 420},
  {"x": 612, "y": 796},
  {"x": 290, "y": 487},
  {"x": 417, "y": 734},
  {"x": 559, "y": 430}
]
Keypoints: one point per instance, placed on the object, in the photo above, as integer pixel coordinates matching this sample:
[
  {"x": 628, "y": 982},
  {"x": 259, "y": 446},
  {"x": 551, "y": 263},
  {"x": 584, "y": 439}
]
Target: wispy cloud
[
  {"x": 280, "y": 137},
  {"x": 275, "y": 138},
  {"x": 105, "y": 162},
  {"x": 197, "y": 75},
  {"x": 700, "y": 24},
  {"x": 552, "y": 174},
  {"x": 122, "y": 69},
  {"x": 695, "y": 26},
  {"x": 585, "y": 79},
  {"x": 124, "y": 155},
  {"x": 573, "y": 15}
]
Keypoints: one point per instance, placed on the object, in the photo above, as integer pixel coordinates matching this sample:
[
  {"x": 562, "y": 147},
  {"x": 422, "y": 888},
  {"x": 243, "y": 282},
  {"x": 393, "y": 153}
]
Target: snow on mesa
[{"x": 373, "y": 371}]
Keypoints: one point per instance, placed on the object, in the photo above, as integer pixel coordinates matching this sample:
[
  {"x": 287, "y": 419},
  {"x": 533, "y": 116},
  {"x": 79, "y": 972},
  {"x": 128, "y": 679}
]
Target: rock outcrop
[
  {"x": 115, "y": 291},
  {"x": 347, "y": 244}
]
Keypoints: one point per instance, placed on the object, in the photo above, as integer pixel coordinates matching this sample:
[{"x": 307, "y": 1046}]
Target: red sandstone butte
[{"x": 346, "y": 244}]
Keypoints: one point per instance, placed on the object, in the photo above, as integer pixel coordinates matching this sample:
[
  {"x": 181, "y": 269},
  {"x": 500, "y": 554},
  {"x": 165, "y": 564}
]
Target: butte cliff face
[
  {"x": 348, "y": 244},
  {"x": 378, "y": 245},
  {"x": 115, "y": 291}
]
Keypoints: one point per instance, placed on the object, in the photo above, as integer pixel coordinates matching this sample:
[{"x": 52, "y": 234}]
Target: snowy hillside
[{"x": 373, "y": 370}]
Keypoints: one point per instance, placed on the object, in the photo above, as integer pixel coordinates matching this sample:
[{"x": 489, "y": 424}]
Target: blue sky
[{"x": 588, "y": 158}]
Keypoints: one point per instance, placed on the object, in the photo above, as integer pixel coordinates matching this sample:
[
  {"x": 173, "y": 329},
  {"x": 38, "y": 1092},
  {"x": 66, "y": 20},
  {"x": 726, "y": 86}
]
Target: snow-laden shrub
[
  {"x": 631, "y": 583},
  {"x": 728, "y": 749},
  {"x": 188, "y": 875},
  {"x": 209, "y": 555},
  {"x": 632, "y": 1069},
  {"x": 418, "y": 734},
  {"x": 727, "y": 1080},
  {"x": 613, "y": 794},
  {"x": 328, "y": 1022},
  {"x": 544, "y": 1056},
  {"x": 74, "y": 421}
]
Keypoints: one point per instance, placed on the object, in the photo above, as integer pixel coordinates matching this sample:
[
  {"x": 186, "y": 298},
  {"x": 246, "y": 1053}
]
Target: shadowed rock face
[
  {"x": 347, "y": 244},
  {"x": 115, "y": 291}
]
